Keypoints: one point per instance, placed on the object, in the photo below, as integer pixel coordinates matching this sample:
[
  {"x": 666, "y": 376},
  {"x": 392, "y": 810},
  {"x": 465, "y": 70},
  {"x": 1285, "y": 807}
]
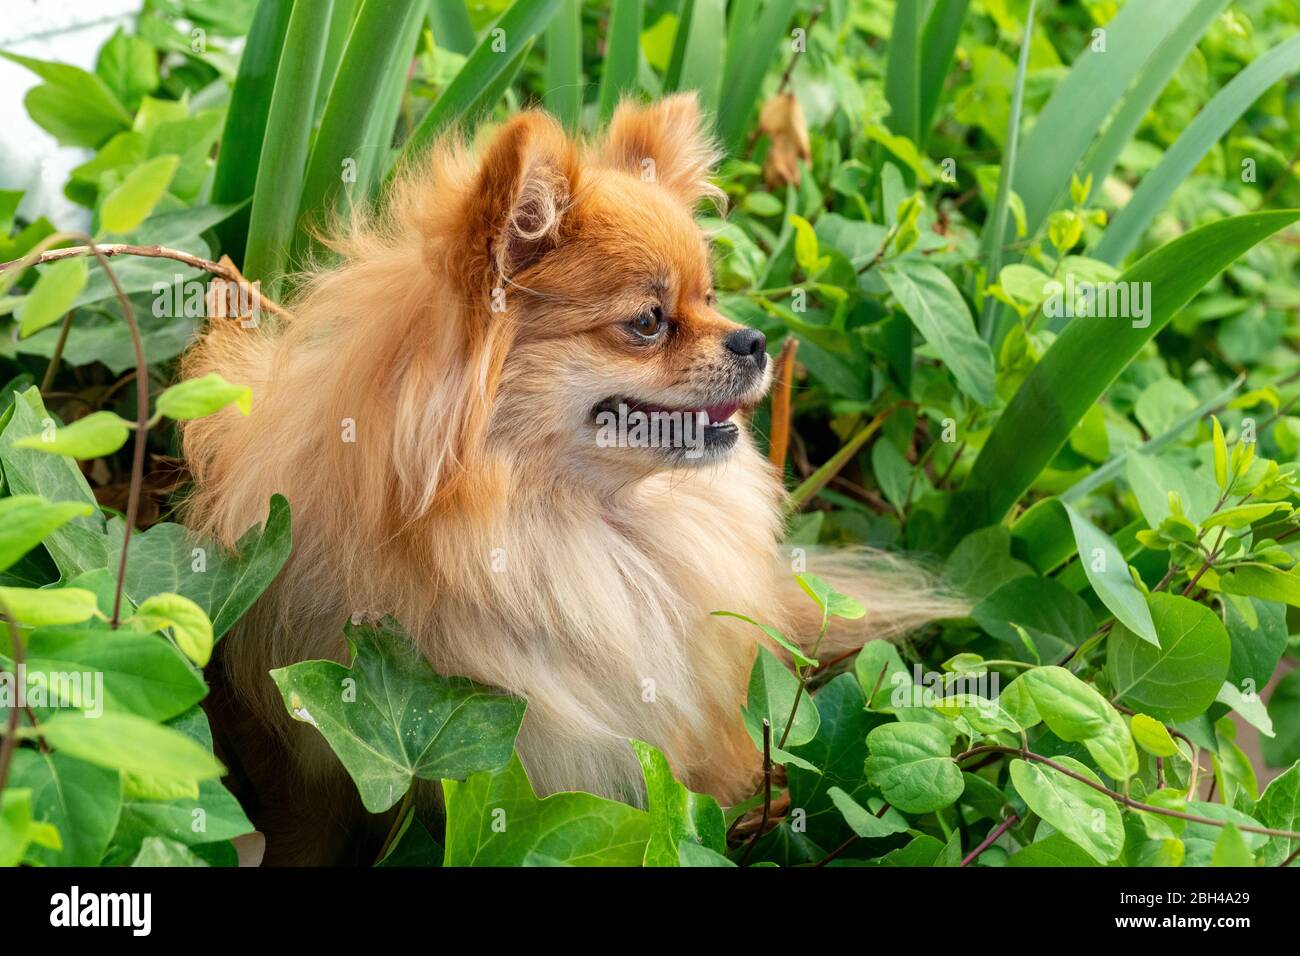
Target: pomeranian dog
[{"x": 433, "y": 414}]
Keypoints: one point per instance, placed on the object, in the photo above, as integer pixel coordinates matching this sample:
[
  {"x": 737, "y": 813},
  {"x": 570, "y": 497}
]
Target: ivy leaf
[
  {"x": 26, "y": 519},
  {"x": 391, "y": 719},
  {"x": 80, "y": 800},
  {"x": 495, "y": 819},
  {"x": 913, "y": 766},
  {"x": 1075, "y": 711},
  {"x": 772, "y": 693},
  {"x": 1108, "y": 573},
  {"x": 198, "y": 397},
  {"x": 168, "y": 558},
  {"x": 1088, "y": 818},
  {"x": 677, "y": 816},
  {"x": 1180, "y": 677}
]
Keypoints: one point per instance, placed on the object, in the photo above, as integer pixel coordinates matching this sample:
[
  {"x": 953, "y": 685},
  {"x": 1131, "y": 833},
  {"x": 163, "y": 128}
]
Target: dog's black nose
[{"x": 748, "y": 343}]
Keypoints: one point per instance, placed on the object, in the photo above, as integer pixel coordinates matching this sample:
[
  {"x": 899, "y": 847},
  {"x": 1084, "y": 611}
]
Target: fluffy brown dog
[{"x": 432, "y": 414}]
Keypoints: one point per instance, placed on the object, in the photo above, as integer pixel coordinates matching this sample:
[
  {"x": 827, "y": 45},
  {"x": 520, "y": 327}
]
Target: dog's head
[{"x": 588, "y": 339}]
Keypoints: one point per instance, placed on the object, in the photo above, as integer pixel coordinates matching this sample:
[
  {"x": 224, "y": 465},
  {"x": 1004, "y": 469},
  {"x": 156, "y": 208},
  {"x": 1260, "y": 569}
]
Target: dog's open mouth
[{"x": 689, "y": 431}]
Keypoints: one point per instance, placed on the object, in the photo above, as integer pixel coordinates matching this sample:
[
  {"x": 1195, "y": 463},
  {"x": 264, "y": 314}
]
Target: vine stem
[
  {"x": 767, "y": 792},
  {"x": 1120, "y": 797},
  {"x": 397, "y": 823},
  {"x": 992, "y": 838},
  {"x": 109, "y": 250},
  {"x": 10, "y": 742}
]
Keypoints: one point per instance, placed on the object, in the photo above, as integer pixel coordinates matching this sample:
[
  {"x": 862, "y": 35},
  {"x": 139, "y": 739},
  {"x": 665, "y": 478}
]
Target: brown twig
[
  {"x": 781, "y": 400},
  {"x": 57, "y": 355},
  {"x": 109, "y": 250}
]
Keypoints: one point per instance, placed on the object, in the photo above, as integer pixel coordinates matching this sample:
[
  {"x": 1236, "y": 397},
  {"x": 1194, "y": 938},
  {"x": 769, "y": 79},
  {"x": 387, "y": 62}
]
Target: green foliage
[{"x": 1038, "y": 261}]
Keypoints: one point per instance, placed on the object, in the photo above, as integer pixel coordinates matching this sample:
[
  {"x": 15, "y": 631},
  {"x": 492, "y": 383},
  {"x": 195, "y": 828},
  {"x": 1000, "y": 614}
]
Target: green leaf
[
  {"x": 1201, "y": 135},
  {"x": 129, "y": 67},
  {"x": 1259, "y": 581},
  {"x": 1054, "y": 617},
  {"x": 1181, "y": 676},
  {"x": 862, "y": 822},
  {"x": 832, "y": 602},
  {"x": 17, "y": 828},
  {"x": 1152, "y": 736},
  {"x": 283, "y": 161},
  {"x": 692, "y": 854},
  {"x": 752, "y": 45},
  {"x": 772, "y": 692},
  {"x": 563, "y": 98},
  {"x": 37, "y": 607},
  {"x": 79, "y": 545},
  {"x": 942, "y": 317},
  {"x": 72, "y": 105},
  {"x": 698, "y": 48},
  {"x": 168, "y": 559},
  {"x": 1108, "y": 573},
  {"x": 391, "y": 719},
  {"x": 158, "y": 851},
  {"x": 130, "y": 743},
  {"x": 26, "y": 519},
  {"x": 1075, "y": 711},
  {"x": 452, "y": 29},
  {"x": 1231, "y": 850},
  {"x": 796, "y": 653},
  {"x": 880, "y": 672},
  {"x": 1088, "y": 356},
  {"x": 495, "y": 819},
  {"x": 677, "y": 816},
  {"x": 622, "y": 54},
  {"x": 235, "y": 177},
  {"x": 981, "y": 563},
  {"x": 198, "y": 397},
  {"x": 1249, "y": 705},
  {"x": 1088, "y": 818},
  {"x": 130, "y": 204},
  {"x": 938, "y": 44},
  {"x": 1053, "y": 850},
  {"x": 142, "y": 674},
  {"x": 518, "y": 26},
  {"x": 1279, "y": 809},
  {"x": 96, "y": 435},
  {"x": 189, "y": 624},
  {"x": 913, "y": 766},
  {"x": 53, "y": 295},
  {"x": 80, "y": 800},
  {"x": 1220, "y": 455}
]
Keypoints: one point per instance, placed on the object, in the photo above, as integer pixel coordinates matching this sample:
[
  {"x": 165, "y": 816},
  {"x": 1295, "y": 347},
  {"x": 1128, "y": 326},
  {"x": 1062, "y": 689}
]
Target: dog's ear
[
  {"x": 514, "y": 211},
  {"x": 665, "y": 143}
]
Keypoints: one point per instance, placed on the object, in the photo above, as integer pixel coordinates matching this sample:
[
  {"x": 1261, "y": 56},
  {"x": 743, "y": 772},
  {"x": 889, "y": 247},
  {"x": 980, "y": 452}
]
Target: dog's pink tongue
[{"x": 720, "y": 413}]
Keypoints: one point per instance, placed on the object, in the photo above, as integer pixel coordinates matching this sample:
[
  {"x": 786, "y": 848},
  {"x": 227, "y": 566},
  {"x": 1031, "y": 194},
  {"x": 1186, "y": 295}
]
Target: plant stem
[
  {"x": 992, "y": 838},
  {"x": 1120, "y": 797},
  {"x": 10, "y": 742},
  {"x": 57, "y": 355},
  {"x": 397, "y": 823},
  {"x": 767, "y": 792}
]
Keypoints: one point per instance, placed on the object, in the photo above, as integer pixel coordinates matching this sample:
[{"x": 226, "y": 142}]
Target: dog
[{"x": 432, "y": 412}]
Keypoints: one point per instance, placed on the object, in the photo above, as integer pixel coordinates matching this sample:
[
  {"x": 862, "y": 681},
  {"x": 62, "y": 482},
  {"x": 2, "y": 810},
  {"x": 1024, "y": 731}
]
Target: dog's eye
[{"x": 649, "y": 324}]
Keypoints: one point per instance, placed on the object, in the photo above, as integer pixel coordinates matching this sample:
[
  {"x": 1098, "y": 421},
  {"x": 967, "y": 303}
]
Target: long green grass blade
[
  {"x": 250, "y": 102},
  {"x": 348, "y": 148},
  {"x": 622, "y": 54},
  {"x": 491, "y": 95},
  {"x": 698, "y": 49},
  {"x": 1210, "y": 125},
  {"x": 494, "y": 55},
  {"x": 938, "y": 43},
  {"x": 1154, "y": 78},
  {"x": 341, "y": 20},
  {"x": 563, "y": 97},
  {"x": 451, "y": 27},
  {"x": 1088, "y": 356},
  {"x": 282, "y": 166},
  {"x": 1068, "y": 124},
  {"x": 995, "y": 232},
  {"x": 903, "y": 70},
  {"x": 746, "y": 64}
]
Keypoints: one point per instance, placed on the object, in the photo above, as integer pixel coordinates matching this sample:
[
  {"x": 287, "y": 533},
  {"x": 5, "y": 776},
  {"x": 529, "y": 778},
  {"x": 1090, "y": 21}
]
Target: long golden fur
[{"x": 462, "y": 341}]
